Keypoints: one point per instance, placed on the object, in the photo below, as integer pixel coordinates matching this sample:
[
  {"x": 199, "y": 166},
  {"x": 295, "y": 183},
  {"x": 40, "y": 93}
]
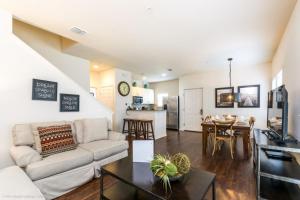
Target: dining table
[{"x": 243, "y": 128}]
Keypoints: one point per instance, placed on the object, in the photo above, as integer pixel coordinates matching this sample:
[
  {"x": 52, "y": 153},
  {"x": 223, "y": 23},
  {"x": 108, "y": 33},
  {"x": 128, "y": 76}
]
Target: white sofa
[
  {"x": 62, "y": 172},
  {"x": 15, "y": 184}
]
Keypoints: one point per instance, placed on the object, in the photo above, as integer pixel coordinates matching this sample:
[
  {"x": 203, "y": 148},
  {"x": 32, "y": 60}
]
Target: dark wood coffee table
[{"x": 136, "y": 181}]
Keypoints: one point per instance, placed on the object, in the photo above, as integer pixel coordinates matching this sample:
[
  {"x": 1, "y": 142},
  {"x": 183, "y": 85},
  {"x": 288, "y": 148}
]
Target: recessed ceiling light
[
  {"x": 163, "y": 74},
  {"x": 144, "y": 77},
  {"x": 78, "y": 30},
  {"x": 96, "y": 67}
]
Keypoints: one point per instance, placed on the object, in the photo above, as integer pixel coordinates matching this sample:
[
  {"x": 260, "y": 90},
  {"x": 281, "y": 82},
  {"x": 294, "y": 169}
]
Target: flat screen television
[{"x": 277, "y": 120}]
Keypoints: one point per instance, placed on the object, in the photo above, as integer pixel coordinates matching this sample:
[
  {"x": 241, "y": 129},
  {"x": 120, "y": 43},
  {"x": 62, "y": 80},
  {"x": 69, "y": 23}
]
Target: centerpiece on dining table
[
  {"x": 240, "y": 120},
  {"x": 170, "y": 168}
]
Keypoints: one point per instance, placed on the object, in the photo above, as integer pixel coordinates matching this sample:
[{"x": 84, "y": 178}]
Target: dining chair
[
  {"x": 223, "y": 132},
  {"x": 207, "y": 118},
  {"x": 210, "y": 131},
  {"x": 251, "y": 122}
]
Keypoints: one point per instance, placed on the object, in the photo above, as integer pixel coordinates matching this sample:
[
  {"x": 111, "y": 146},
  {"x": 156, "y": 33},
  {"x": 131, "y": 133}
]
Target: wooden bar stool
[
  {"x": 128, "y": 127},
  {"x": 125, "y": 122},
  {"x": 147, "y": 129},
  {"x": 140, "y": 130}
]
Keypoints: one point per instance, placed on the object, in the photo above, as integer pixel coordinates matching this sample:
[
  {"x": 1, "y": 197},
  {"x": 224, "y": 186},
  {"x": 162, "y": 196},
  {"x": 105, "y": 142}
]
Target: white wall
[
  {"x": 19, "y": 64},
  {"x": 110, "y": 79},
  {"x": 287, "y": 58},
  {"x": 121, "y": 103},
  {"x": 210, "y": 80},
  {"x": 49, "y": 45},
  {"x": 170, "y": 87},
  {"x": 104, "y": 80}
]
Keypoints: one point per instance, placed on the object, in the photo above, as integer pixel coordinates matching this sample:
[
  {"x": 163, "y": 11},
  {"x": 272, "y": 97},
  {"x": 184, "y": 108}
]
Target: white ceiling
[{"x": 149, "y": 36}]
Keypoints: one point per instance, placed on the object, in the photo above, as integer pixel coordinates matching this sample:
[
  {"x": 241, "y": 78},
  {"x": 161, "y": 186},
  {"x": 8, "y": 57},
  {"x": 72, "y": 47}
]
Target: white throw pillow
[
  {"x": 22, "y": 135},
  {"x": 95, "y": 129},
  {"x": 79, "y": 130},
  {"x": 24, "y": 155},
  {"x": 37, "y": 141}
]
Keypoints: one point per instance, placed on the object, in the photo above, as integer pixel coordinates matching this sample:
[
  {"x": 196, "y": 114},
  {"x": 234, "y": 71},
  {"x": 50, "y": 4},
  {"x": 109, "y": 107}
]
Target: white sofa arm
[
  {"x": 15, "y": 184},
  {"x": 24, "y": 155},
  {"x": 112, "y": 135}
]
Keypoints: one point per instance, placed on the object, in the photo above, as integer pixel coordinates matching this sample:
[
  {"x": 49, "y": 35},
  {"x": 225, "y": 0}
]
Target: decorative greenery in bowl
[{"x": 170, "y": 168}]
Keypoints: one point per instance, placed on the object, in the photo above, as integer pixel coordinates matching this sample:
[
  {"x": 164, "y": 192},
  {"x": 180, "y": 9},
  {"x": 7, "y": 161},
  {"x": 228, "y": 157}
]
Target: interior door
[{"x": 193, "y": 111}]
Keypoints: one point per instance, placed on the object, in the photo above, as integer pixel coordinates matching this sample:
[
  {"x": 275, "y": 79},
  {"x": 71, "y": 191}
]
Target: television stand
[
  {"x": 276, "y": 154},
  {"x": 274, "y": 137},
  {"x": 290, "y": 139},
  {"x": 275, "y": 178},
  {"x": 270, "y": 135}
]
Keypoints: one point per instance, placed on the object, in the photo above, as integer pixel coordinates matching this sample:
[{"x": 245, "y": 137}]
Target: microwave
[{"x": 137, "y": 100}]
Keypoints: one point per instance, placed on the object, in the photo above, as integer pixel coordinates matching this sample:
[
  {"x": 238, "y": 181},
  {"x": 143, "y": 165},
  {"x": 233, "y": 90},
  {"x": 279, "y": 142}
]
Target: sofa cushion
[
  {"x": 34, "y": 126},
  {"x": 59, "y": 163},
  {"x": 72, "y": 127},
  {"x": 15, "y": 184},
  {"x": 95, "y": 129},
  {"x": 24, "y": 155},
  {"x": 22, "y": 135},
  {"x": 112, "y": 135},
  {"x": 56, "y": 139},
  {"x": 79, "y": 130},
  {"x": 104, "y": 148}
]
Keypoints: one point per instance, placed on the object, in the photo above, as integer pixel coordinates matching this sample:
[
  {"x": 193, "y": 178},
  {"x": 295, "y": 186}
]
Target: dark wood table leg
[
  {"x": 101, "y": 185},
  {"x": 204, "y": 139},
  {"x": 246, "y": 143},
  {"x": 214, "y": 190}
]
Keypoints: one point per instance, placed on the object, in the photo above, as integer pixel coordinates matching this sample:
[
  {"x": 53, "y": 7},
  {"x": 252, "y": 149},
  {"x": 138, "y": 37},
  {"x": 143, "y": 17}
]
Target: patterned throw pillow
[{"x": 56, "y": 139}]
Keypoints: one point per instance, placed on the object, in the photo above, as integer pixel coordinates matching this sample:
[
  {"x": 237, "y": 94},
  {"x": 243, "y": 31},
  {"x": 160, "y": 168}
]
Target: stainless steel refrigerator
[{"x": 171, "y": 104}]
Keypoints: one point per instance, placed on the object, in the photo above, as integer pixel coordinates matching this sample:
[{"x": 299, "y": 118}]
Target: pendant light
[{"x": 235, "y": 97}]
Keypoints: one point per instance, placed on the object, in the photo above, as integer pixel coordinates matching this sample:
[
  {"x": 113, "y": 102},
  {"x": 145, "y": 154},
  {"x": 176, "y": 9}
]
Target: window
[
  {"x": 277, "y": 80},
  {"x": 160, "y": 98}
]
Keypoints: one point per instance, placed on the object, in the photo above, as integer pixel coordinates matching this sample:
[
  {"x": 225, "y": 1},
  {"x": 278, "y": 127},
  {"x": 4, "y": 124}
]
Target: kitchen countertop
[{"x": 158, "y": 117}]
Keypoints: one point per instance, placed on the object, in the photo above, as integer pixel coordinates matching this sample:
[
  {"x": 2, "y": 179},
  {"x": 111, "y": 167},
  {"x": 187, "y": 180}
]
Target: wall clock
[{"x": 123, "y": 88}]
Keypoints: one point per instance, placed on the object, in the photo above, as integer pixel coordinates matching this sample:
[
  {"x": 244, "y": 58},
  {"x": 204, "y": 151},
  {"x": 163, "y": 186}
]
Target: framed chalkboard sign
[
  {"x": 44, "y": 90},
  {"x": 69, "y": 103}
]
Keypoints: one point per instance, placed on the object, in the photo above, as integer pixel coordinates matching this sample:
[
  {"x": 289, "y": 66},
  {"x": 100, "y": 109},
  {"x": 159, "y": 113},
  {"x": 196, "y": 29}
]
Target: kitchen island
[{"x": 159, "y": 118}]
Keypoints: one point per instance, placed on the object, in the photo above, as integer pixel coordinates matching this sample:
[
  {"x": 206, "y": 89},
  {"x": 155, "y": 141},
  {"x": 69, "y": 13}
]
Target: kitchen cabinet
[
  {"x": 137, "y": 91},
  {"x": 148, "y": 96}
]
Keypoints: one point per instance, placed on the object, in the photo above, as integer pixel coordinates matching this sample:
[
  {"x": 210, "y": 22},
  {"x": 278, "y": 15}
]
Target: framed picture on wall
[
  {"x": 44, "y": 90},
  {"x": 69, "y": 103},
  {"x": 222, "y": 97},
  {"x": 250, "y": 96}
]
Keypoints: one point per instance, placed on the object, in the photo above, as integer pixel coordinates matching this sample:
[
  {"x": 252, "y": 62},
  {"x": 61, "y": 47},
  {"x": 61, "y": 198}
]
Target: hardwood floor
[{"x": 235, "y": 178}]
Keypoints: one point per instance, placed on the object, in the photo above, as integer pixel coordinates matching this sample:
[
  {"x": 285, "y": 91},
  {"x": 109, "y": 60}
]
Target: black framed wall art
[
  {"x": 250, "y": 96},
  {"x": 69, "y": 103},
  {"x": 44, "y": 90},
  {"x": 222, "y": 97}
]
